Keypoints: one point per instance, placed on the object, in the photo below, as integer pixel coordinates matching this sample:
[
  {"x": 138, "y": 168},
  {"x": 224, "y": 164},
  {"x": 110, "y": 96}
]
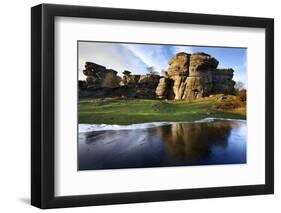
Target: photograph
[
  {"x": 141, "y": 105},
  {"x": 160, "y": 105}
]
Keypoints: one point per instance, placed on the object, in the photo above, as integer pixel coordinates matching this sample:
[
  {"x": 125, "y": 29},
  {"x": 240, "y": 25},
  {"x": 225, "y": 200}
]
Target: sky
[{"x": 138, "y": 57}]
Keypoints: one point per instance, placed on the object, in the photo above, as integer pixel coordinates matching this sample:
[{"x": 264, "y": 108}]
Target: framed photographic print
[{"x": 139, "y": 106}]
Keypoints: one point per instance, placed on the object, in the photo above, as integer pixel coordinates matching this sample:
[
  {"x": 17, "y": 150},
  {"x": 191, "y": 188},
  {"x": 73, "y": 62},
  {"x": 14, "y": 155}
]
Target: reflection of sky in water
[
  {"x": 177, "y": 144},
  {"x": 234, "y": 146}
]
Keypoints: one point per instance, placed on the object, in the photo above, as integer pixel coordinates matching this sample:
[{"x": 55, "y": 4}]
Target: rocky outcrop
[
  {"x": 188, "y": 77},
  {"x": 179, "y": 65},
  {"x": 100, "y": 77},
  {"x": 162, "y": 90},
  {"x": 130, "y": 80},
  {"x": 101, "y": 82},
  {"x": 192, "y": 76},
  {"x": 222, "y": 81},
  {"x": 140, "y": 86}
]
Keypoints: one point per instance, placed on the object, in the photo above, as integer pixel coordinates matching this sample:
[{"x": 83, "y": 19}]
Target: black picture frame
[{"x": 43, "y": 111}]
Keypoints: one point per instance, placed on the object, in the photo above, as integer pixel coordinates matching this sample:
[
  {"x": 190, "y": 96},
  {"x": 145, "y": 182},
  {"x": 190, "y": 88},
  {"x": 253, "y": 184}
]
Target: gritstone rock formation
[
  {"x": 98, "y": 76},
  {"x": 188, "y": 77},
  {"x": 139, "y": 86},
  {"x": 102, "y": 82},
  {"x": 192, "y": 76}
]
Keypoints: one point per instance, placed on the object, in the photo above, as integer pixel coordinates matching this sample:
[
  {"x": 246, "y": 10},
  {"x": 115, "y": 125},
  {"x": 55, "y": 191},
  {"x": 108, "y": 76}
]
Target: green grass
[{"x": 96, "y": 111}]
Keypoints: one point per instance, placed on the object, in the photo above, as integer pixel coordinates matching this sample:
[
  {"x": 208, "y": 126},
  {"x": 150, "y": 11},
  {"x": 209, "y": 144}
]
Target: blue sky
[{"x": 138, "y": 57}]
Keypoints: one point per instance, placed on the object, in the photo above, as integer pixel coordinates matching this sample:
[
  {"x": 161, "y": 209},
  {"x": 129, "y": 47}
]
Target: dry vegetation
[{"x": 232, "y": 103}]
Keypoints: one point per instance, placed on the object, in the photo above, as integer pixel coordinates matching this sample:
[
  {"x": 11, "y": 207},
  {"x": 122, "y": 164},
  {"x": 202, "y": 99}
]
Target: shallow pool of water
[{"x": 208, "y": 142}]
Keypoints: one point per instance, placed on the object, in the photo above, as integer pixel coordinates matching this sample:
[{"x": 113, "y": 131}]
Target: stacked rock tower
[{"x": 192, "y": 76}]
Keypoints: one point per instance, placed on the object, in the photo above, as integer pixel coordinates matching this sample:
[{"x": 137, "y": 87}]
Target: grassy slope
[{"x": 95, "y": 111}]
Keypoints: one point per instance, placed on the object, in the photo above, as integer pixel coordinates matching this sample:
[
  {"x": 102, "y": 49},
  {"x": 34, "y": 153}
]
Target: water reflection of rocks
[
  {"x": 177, "y": 144},
  {"x": 192, "y": 141}
]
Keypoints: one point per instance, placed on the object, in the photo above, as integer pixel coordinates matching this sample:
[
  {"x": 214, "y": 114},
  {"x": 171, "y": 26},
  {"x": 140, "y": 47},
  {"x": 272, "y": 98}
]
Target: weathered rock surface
[
  {"x": 222, "y": 81},
  {"x": 193, "y": 76},
  {"x": 150, "y": 81},
  {"x": 179, "y": 64},
  {"x": 102, "y": 82},
  {"x": 200, "y": 62},
  {"x": 163, "y": 88},
  {"x": 100, "y": 77},
  {"x": 130, "y": 79},
  {"x": 188, "y": 77}
]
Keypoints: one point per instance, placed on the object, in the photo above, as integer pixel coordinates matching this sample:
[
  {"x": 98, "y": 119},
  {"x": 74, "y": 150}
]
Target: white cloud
[
  {"x": 152, "y": 55},
  {"x": 137, "y": 51},
  {"x": 99, "y": 53}
]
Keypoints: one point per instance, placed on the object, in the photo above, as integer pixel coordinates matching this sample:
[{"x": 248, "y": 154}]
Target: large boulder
[
  {"x": 162, "y": 88},
  {"x": 178, "y": 87},
  {"x": 130, "y": 80},
  {"x": 100, "y": 77},
  {"x": 222, "y": 81},
  {"x": 201, "y": 62},
  {"x": 91, "y": 69},
  {"x": 192, "y": 76},
  {"x": 171, "y": 86},
  {"x": 199, "y": 82},
  {"x": 179, "y": 64},
  {"x": 109, "y": 79},
  {"x": 197, "y": 87},
  {"x": 149, "y": 81}
]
